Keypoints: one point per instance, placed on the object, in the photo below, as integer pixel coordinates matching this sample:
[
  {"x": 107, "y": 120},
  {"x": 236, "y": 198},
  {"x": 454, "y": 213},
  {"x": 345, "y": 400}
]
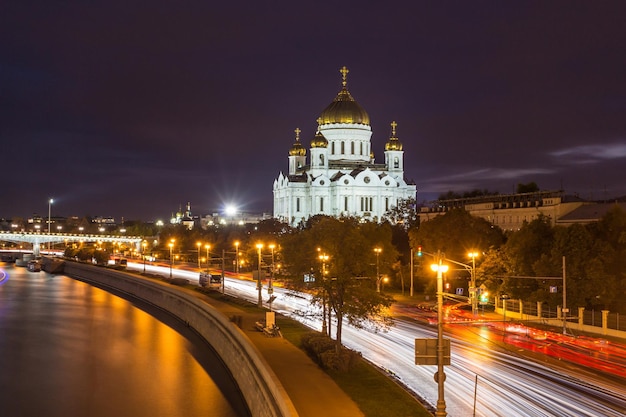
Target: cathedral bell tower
[
  {"x": 297, "y": 155},
  {"x": 394, "y": 155}
]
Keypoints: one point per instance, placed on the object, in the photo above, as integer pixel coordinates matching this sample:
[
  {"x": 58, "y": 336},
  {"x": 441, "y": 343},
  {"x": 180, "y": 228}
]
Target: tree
[
  {"x": 347, "y": 287},
  {"x": 405, "y": 214},
  {"x": 456, "y": 233},
  {"x": 530, "y": 187}
]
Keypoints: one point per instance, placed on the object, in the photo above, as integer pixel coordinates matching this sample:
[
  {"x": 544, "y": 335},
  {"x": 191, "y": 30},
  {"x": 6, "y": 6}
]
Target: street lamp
[
  {"x": 473, "y": 290},
  {"x": 259, "y": 246},
  {"x": 504, "y": 297},
  {"x": 440, "y": 268},
  {"x": 270, "y": 288},
  {"x": 378, "y": 251},
  {"x": 208, "y": 257},
  {"x": 144, "y": 244},
  {"x": 198, "y": 244},
  {"x": 237, "y": 257},
  {"x": 171, "y": 245},
  {"x": 49, "y": 212},
  {"x": 323, "y": 258}
]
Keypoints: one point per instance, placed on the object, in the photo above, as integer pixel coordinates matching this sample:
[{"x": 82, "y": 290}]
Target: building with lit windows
[{"x": 341, "y": 177}]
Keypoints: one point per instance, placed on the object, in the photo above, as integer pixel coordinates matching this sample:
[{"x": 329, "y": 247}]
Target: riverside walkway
[{"x": 311, "y": 390}]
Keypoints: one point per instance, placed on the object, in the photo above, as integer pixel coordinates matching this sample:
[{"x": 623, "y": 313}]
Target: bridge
[{"x": 37, "y": 238}]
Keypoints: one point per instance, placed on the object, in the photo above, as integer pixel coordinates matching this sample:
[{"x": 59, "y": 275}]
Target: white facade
[{"x": 341, "y": 177}]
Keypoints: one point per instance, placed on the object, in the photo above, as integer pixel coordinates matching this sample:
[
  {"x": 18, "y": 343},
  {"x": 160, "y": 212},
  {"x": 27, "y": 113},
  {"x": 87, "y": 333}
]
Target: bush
[{"x": 323, "y": 350}]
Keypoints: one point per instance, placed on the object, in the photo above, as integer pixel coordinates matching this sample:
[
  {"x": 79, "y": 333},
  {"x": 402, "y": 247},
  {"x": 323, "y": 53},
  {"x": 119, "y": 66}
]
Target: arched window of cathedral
[
  {"x": 322, "y": 159},
  {"x": 322, "y": 204},
  {"x": 343, "y": 147},
  {"x": 352, "y": 148},
  {"x": 345, "y": 203},
  {"x": 396, "y": 162},
  {"x": 298, "y": 204},
  {"x": 332, "y": 148},
  {"x": 361, "y": 149}
]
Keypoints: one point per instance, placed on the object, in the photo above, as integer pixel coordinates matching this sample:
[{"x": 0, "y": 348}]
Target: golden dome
[
  {"x": 344, "y": 109},
  {"x": 297, "y": 149},
  {"x": 393, "y": 144},
  {"x": 319, "y": 141}
]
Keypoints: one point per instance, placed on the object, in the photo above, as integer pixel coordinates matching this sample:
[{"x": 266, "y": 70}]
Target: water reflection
[{"x": 69, "y": 349}]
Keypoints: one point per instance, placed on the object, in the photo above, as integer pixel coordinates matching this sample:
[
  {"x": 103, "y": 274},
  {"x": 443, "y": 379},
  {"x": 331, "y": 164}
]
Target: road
[{"x": 509, "y": 374}]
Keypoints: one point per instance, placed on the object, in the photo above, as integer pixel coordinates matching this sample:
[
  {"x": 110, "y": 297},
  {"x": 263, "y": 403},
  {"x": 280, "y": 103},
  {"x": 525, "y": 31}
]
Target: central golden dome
[{"x": 344, "y": 109}]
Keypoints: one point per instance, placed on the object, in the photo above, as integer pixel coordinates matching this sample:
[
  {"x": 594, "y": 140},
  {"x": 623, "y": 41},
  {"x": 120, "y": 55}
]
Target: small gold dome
[
  {"x": 319, "y": 141},
  {"x": 393, "y": 144},
  {"x": 344, "y": 109},
  {"x": 297, "y": 149}
]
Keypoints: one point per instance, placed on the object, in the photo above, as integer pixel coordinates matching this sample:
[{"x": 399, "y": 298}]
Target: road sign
[{"x": 426, "y": 351}]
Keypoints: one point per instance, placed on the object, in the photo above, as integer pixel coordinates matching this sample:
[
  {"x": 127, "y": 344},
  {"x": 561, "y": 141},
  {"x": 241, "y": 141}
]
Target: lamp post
[
  {"x": 50, "y": 201},
  {"x": 504, "y": 297},
  {"x": 440, "y": 376},
  {"x": 473, "y": 289},
  {"x": 378, "y": 251},
  {"x": 208, "y": 257},
  {"x": 171, "y": 245},
  {"x": 323, "y": 258},
  {"x": 143, "y": 245},
  {"x": 198, "y": 244},
  {"x": 237, "y": 257},
  {"x": 270, "y": 288},
  {"x": 259, "y": 287}
]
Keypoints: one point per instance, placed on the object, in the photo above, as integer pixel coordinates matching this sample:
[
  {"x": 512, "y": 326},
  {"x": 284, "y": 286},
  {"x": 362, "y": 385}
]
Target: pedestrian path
[{"x": 312, "y": 392}]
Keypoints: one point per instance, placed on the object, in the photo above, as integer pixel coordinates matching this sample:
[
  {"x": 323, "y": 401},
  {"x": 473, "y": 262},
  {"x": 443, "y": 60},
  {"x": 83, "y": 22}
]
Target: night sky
[{"x": 134, "y": 108}]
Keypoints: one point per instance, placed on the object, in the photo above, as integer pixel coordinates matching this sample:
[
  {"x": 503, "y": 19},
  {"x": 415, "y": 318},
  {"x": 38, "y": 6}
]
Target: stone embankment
[{"x": 262, "y": 391}]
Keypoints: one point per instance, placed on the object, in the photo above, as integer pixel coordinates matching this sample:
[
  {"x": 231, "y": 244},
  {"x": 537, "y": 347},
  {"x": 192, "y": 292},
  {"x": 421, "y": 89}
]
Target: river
[{"x": 70, "y": 349}]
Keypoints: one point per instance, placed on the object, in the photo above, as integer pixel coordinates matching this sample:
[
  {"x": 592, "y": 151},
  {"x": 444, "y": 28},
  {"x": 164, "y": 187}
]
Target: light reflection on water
[{"x": 69, "y": 349}]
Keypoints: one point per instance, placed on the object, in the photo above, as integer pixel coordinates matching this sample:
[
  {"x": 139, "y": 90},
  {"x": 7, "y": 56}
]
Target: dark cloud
[{"x": 133, "y": 108}]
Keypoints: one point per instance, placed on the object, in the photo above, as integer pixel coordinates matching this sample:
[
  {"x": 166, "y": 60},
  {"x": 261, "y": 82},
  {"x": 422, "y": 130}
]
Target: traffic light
[
  {"x": 484, "y": 297},
  {"x": 419, "y": 250}
]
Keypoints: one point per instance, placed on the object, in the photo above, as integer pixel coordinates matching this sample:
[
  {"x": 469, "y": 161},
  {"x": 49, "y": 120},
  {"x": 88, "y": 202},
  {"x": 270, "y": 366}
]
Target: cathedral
[{"x": 341, "y": 177}]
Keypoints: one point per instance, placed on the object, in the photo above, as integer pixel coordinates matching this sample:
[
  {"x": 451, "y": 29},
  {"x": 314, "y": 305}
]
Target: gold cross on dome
[
  {"x": 344, "y": 75},
  {"x": 393, "y": 128},
  {"x": 297, "y": 133}
]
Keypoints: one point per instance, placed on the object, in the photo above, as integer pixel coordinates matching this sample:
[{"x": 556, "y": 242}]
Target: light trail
[{"x": 508, "y": 385}]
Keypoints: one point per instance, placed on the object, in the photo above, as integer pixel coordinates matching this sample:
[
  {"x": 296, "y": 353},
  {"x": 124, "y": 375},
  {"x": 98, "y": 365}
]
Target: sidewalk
[{"x": 311, "y": 390}]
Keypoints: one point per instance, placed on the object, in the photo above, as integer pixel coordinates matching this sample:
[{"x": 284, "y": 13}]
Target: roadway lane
[{"x": 509, "y": 384}]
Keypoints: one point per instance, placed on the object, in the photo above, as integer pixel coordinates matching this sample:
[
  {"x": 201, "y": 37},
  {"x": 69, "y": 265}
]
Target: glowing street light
[
  {"x": 50, "y": 201},
  {"x": 270, "y": 288},
  {"x": 144, "y": 244},
  {"x": 198, "y": 244},
  {"x": 324, "y": 258},
  {"x": 378, "y": 251},
  {"x": 440, "y": 268},
  {"x": 208, "y": 257},
  {"x": 473, "y": 290},
  {"x": 171, "y": 245},
  {"x": 237, "y": 257},
  {"x": 259, "y": 246}
]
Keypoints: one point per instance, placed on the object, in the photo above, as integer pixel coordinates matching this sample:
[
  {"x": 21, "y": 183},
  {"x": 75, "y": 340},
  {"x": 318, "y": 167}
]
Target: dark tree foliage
[
  {"x": 530, "y": 187},
  {"x": 451, "y": 195},
  {"x": 594, "y": 256},
  {"x": 456, "y": 233},
  {"x": 404, "y": 214}
]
